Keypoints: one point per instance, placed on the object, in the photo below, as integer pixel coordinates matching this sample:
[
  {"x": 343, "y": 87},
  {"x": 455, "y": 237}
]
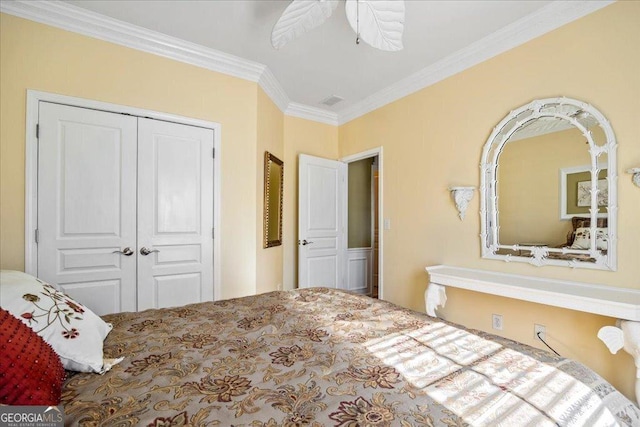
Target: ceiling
[{"x": 440, "y": 39}]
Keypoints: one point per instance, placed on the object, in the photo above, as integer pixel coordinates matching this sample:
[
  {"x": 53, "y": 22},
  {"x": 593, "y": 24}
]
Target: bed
[
  {"x": 579, "y": 237},
  {"x": 326, "y": 357}
]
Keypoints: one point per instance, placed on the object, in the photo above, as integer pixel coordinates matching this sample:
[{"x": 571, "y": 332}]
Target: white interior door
[
  {"x": 87, "y": 205},
  {"x": 175, "y": 214},
  {"x": 321, "y": 222}
]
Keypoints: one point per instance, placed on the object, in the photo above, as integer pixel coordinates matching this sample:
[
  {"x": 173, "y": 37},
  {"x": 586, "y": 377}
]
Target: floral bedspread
[{"x": 322, "y": 357}]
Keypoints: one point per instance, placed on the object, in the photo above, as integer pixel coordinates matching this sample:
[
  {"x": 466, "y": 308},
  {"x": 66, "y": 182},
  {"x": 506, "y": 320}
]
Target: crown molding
[
  {"x": 272, "y": 88},
  {"x": 312, "y": 113},
  {"x": 76, "y": 19},
  {"x": 82, "y": 21},
  {"x": 72, "y": 18},
  {"x": 519, "y": 32}
]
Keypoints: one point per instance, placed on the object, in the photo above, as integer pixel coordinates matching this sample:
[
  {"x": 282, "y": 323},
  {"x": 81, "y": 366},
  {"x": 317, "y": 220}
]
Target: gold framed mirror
[{"x": 273, "y": 190}]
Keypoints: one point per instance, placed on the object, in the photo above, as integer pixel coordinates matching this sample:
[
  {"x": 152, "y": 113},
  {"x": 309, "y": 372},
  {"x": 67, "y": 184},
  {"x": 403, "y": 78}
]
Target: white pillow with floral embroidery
[
  {"x": 583, "y": 238},
  {"x": 74, "y": 331}
]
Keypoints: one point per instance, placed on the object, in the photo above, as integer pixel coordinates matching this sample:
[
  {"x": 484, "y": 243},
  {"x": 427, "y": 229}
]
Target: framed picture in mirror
[{"x": 575, "y": 191}]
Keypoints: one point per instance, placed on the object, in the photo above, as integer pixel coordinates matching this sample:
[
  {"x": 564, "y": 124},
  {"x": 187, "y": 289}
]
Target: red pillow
[{"x": 31, "y": 373}]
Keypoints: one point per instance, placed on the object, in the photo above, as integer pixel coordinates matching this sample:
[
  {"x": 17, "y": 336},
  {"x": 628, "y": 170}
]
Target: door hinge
[
  {"x": 37, "y": 235},
  {"x": 213, "y": 233},
  {"x": 214, "y": 153},
  {"x": 37, "y": 130}
]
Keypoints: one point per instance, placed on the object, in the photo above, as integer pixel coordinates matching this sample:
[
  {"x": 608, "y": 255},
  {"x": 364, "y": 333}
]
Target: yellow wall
[
  {"x": 300, "y": 137},
  {"x": 270, "y": 138},
  {"x": 35, "y": 56},
  {"x": 39, "y": 57},
  {"x": 433, "y": 139},
  {"x": 529, "y": 186}
]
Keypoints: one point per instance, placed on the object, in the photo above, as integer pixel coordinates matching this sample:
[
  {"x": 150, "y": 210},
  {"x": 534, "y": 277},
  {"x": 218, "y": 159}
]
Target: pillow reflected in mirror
[{"x": 583, "y": 239}]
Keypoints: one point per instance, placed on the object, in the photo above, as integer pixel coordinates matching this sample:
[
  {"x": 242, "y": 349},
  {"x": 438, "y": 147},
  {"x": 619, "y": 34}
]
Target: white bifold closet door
[{"x": 125, "y": 209}]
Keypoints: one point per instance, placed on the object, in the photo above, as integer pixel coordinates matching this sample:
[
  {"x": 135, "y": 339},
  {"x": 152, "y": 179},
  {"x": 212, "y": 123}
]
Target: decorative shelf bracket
[
  {"x": 626, "y": 335},
  {"x": 462, "y": 196},
  {"x": 435, "y": 296}
]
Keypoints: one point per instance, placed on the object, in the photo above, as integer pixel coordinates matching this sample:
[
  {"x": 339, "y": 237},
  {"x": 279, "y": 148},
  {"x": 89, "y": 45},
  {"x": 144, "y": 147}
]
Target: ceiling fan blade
[
  {"x": 381, "y": 22},
  {"x": 299, "y": 17}
]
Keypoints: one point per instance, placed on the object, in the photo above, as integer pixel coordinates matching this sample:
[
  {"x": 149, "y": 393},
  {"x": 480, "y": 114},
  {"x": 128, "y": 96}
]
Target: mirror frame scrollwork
[
  {"x": 272, "y": 221},
  {"x": 565, "y": 109}
]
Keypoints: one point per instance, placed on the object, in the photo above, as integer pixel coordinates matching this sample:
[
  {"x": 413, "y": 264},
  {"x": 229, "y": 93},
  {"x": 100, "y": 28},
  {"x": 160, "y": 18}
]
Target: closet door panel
[
  {"x": 175, "y": 208},
  {"x": 177, "y": 187},
  {"x": 87, "y": 205}
]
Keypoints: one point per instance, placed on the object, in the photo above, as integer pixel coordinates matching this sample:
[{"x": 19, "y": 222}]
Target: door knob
[
  {"x": 305, "y": 243},
  {"x": 144, "y": 251},
  {"x": 126, "y": 251}
]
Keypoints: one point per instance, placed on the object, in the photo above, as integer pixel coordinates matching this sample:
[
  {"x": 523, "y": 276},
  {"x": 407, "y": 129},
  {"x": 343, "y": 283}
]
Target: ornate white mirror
[{"x": 548, "y": 187}]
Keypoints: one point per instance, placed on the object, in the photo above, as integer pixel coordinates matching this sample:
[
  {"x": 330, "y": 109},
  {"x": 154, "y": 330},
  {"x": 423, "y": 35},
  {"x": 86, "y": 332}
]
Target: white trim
[
  {"x": 355, "y": 255},
  {"x": 605, "y": 300},
  {"x": 72, "y": 18},
  {"x": 31, "y": 185},
  {"x": 272, "y": 88},
  {"x": 217, "y": 212},
  {"x": 378, "y": 151},
  {"x": 31, "y": 169},
  {"x": 555, "y": 15},
  {"x": 312, "y": 113},
  {"x": 362, "y": 155}
]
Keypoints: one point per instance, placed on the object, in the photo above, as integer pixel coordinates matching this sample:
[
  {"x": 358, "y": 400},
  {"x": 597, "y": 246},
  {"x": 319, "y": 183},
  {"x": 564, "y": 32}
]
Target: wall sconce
[
  {"x": 462, "y": 196},
  {"x": 635, "y": 175}
]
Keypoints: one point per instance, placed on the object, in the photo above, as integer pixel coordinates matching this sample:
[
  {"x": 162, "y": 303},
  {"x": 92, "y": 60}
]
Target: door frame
[
  {"x": 366, "y": 155},
  {"x": 31, "y": 169}
]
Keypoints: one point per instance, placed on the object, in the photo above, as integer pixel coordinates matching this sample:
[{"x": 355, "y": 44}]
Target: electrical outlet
[
  {"x": 497, "y": 322},
  {"x": 539, "y": 328}
]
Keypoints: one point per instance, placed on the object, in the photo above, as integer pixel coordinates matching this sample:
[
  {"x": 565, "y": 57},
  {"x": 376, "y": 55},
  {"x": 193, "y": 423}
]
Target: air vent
[{"x": 331, "y": 100}]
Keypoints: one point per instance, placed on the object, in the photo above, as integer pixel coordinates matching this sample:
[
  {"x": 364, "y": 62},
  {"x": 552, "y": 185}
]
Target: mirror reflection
[
  {"x": 529, "y": 187},
  {"x": 540, "y": 165}
]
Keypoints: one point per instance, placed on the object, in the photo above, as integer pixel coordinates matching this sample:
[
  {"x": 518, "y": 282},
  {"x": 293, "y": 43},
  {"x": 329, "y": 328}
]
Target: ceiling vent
[{"x": 331, "y": 100}]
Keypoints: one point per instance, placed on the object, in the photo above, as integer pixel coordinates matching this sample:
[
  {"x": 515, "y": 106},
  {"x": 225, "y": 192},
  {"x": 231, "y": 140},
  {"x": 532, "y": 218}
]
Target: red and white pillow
[
  {"x": 75, "y": 332},
  {"x": 30, "y": 371}
]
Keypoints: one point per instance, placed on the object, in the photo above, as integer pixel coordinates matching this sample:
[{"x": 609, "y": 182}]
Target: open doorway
[
  {"x": 325, "y": 255},
  {"x": 363, "y": 223}
]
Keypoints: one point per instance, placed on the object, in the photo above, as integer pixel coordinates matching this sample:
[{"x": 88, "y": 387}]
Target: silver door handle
[
  {"x": 305, "y": 243},
  {"x": 126, "y": 252},
  {"x": 144, "y": 251}
]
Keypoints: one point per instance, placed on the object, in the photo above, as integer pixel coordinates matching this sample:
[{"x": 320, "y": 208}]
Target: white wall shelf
[
  {"x": 610, "y": 301},
  {"x": 621, "y": 303}
]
